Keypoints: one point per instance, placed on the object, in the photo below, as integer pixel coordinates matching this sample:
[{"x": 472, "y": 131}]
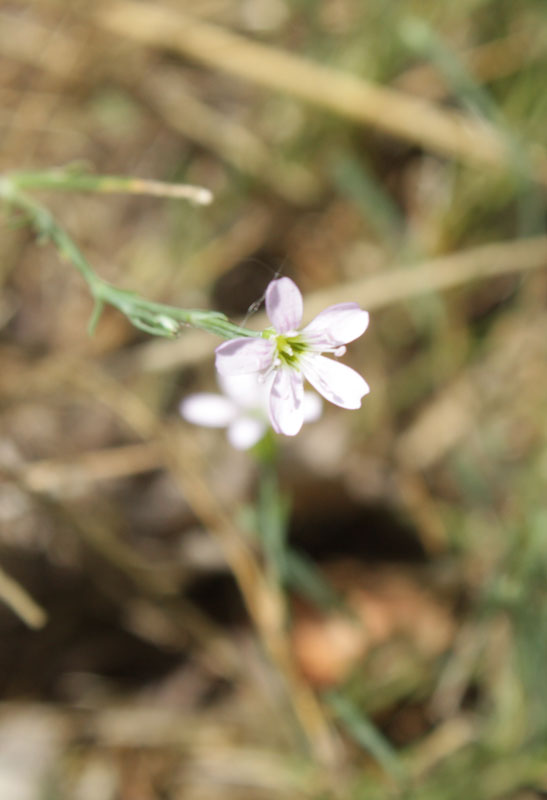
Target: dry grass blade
[
  {"x": 447, "y": 739},
  {"x": 53, "y": 475},
  {"x": 19, "y": 600},
  {"x": 438, "y": 274},
  {"x": 449, "y": 133}
]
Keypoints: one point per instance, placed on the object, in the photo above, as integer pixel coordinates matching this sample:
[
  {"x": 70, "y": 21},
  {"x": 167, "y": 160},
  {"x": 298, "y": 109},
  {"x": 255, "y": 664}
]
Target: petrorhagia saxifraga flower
[
  {"x": 242, "y": 408},
  {"x": 293, "y": 355}
]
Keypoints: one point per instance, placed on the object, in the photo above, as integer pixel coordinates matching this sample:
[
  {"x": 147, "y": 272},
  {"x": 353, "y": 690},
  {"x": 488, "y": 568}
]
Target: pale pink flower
[
  {"x": 292, "y": 355},
  {"x": 242, "y": 408}
]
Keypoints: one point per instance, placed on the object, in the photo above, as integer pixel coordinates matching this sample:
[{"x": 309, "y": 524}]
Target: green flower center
[{"x": 289, "y": 349}]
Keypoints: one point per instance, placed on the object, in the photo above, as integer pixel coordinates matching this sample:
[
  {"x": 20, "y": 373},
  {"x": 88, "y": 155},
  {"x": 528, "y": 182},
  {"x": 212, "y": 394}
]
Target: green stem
[
  {"x": 155, "y": 318},
  {"x": 273, "y": 510}
]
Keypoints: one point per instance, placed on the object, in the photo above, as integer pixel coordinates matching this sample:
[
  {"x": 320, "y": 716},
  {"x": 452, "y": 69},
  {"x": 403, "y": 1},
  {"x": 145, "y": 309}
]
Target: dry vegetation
[{"x": 389, "y": 153}]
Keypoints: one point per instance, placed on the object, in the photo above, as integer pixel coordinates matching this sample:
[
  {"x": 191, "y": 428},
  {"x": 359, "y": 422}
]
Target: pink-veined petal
[
  {"x": 337, "y": 325},
  {"x": 313, "y": 407},
  {"x": 244, "y": 356},
  {"x": 337, "y": 383},
  {"x": 211, "y": 410},
  {"x": 284, "y": 305},
  {"x": 287, "y": 402},
  {"x": 244, "y": 432}
]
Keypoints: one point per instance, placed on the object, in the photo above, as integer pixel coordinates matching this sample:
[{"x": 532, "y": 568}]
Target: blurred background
[{"x": 388, "y": 153}]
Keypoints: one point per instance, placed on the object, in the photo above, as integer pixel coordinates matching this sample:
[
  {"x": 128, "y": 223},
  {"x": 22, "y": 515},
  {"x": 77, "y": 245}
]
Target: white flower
[
  {"x": 242, "y": 408},
  {"x": 291, "y": 355}
]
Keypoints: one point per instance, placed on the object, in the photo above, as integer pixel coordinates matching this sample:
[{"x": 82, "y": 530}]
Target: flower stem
[
  {"x": 156, "y": 318},
  {"x": 76, "y": 180},
  {"x": 273, "y": 511}
]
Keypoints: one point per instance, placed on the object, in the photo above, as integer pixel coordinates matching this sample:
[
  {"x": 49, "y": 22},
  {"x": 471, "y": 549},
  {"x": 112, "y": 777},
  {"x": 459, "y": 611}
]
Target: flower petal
[
  {"x": 284, "y": 305},
  {"x": 211, "y": 410},
  {"x": 243, "y": 356},
  {"x": 339, "y": 384},
  {"x": 287, "y": 402},
  {"x": 313, "y": 407},
  {"x": 247, "y": 391},
  {"x": 337, "y": 325},
  {"x": 244, "y": 432}
]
